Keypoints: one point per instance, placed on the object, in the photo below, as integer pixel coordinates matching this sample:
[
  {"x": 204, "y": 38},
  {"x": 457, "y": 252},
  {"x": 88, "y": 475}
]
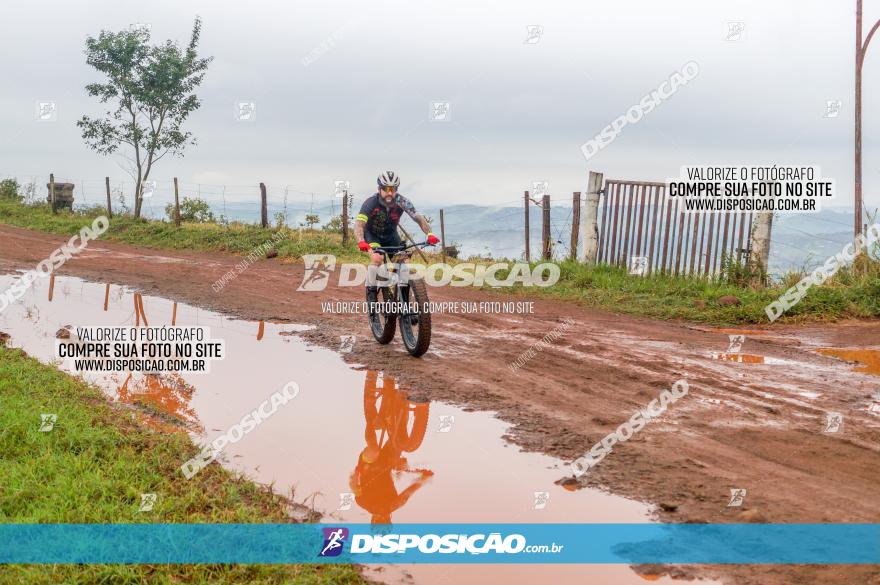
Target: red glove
[
  {"x": 364, "y": 246},
  {"x": 433, "y": 240}
]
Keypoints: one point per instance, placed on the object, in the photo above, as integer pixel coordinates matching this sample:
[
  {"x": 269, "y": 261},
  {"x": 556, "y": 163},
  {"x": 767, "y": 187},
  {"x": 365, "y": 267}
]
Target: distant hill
[{"x": 799, "y": 240}]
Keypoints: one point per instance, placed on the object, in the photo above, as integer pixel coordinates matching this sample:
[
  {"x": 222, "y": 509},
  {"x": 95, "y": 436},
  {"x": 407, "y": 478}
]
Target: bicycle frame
[
  {"x": 408, "y": 301},
  {"x": 396, "y": 256}
]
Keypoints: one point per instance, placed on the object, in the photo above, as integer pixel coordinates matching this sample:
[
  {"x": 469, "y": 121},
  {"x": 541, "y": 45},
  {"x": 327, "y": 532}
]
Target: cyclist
[{"x": 376, "y": 224}]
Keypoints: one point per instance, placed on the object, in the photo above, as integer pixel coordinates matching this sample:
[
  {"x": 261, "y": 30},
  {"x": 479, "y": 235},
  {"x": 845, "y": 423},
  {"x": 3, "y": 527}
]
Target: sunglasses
[{"x": 389, "y": 189}]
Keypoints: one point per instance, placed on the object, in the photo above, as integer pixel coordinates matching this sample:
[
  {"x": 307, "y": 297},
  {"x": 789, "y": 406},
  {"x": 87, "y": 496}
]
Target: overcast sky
[{"x": 518, "y": 111}]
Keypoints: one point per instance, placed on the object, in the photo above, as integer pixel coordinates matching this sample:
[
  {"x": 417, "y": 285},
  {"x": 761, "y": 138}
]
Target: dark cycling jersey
[{"x": 382, "y": 221}]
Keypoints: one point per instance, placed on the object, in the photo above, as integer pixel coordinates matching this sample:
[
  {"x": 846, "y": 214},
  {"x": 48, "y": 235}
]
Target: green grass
[
  {"x": 852, "y": 293},
  {"x": 236, "y": 238},
  {"x": 93, "y": 466}
]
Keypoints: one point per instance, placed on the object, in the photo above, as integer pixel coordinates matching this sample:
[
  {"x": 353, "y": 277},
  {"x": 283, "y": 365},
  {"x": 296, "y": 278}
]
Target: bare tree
[{"x": 151, "y": 93}]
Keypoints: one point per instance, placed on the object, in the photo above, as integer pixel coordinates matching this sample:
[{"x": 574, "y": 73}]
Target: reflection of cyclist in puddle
[{"x": 395, "y": 427}]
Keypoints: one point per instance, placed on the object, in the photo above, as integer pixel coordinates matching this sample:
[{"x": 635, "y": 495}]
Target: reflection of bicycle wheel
[{"x": 410, "y": 438}]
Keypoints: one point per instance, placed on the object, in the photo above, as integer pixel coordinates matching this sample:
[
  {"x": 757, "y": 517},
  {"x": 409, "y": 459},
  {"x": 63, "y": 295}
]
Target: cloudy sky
[{"x": 343, "y": 90}]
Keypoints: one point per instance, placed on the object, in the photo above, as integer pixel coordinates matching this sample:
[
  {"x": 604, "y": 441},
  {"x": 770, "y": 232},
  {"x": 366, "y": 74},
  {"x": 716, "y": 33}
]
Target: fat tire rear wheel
[{"x": 416, "y": 343}]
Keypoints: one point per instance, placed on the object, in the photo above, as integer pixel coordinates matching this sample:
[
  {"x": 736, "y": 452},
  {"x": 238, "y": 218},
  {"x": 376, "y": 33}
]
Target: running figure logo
[
  {"x": 334, "y": 541},
  {"x": 318, "y": 269},
  {"x": 736, "y": 343},
  {"x": 833, "y": 422},
  {"x": 47, "y": 422},
  {"x": 737, "y": 497},
  {"x": 638, "y": 265}
]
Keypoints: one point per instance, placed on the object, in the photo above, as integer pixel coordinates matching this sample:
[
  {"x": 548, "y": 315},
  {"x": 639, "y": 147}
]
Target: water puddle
[
  {"x": 727, "y": 331},
  {"x": 351, "y": 444},
  {"x": 868, "y": 359},
  {"x": 749, "y": 358}
]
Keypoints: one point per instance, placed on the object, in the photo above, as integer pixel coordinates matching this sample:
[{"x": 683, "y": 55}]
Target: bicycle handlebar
[{"x": 398, "y": 249}]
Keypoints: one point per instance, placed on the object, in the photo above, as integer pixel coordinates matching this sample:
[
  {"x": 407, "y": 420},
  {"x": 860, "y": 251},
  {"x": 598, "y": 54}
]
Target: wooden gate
[{"x": 638, "y": 220}]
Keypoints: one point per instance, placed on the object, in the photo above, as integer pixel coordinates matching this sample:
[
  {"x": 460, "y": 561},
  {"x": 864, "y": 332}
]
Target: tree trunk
[{"x": 137, "y": 200}]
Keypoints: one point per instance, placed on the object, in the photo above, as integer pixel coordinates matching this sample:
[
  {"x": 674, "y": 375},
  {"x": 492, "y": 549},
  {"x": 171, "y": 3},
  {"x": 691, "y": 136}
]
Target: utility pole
[
  {"x": 528, "y": 248},
  {"x": 860, "y": 59}
]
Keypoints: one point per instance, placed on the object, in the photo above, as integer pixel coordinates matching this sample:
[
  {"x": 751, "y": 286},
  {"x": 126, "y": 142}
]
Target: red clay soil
[{"x": 757, "y": 426}]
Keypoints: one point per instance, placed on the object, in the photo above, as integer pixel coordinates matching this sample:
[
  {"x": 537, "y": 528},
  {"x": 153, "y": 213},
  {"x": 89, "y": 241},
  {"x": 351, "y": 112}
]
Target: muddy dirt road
[{"x": 757, "y": 421}]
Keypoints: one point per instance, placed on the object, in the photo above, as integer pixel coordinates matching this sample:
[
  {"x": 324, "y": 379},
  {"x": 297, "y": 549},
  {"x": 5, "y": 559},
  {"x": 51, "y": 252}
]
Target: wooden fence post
[
  {"x": 344, "y": 217},
  {"x": 760, "y": 244},
  {"x": 528, "y": 248},
  {"x": 176, "y": 204},
  {"x": 545, "y": 228},
  {"x": 591, "y": 218},
  {"x": 412, "y": 241},
  {"x": 264, "y": 210},
  {"x": 575, "y": 222},
  {"x": 442, "y": 237},
  {"x": 52, "y": 190},
  {"x": 109, "y": 208}
]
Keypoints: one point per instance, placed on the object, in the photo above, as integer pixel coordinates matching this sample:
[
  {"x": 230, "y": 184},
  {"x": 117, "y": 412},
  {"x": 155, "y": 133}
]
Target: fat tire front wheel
[{"x": 415, "y": 327}]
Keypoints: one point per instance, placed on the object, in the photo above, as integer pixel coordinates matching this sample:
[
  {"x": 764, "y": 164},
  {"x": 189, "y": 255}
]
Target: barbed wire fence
[
  {"x": 290, "y": 206},
  {"x": 287, "y": 204}
]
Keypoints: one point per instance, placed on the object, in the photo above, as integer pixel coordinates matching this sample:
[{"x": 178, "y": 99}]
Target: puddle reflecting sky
[
  {"x": 868, "y": 360},
  {"x": 749, "y": 358},
  {"x": 351, "y": 443}
]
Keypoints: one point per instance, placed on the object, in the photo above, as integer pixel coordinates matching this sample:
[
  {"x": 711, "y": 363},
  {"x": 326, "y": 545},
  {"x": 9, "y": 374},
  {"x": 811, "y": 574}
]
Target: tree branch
[{"x": 868, "y": 40}]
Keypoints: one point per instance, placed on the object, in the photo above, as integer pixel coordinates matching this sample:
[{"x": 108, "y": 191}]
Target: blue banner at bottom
[{"x": 441, "y": 543}]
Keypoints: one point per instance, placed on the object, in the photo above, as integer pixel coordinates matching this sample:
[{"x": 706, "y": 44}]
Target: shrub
[
  {"x": 192, "y": 210},
  {"x": 9, "y": 190}
]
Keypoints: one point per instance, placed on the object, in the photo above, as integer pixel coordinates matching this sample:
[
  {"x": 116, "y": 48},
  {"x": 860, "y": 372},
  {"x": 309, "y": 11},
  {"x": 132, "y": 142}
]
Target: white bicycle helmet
[{"x": 388, "y": 179}]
